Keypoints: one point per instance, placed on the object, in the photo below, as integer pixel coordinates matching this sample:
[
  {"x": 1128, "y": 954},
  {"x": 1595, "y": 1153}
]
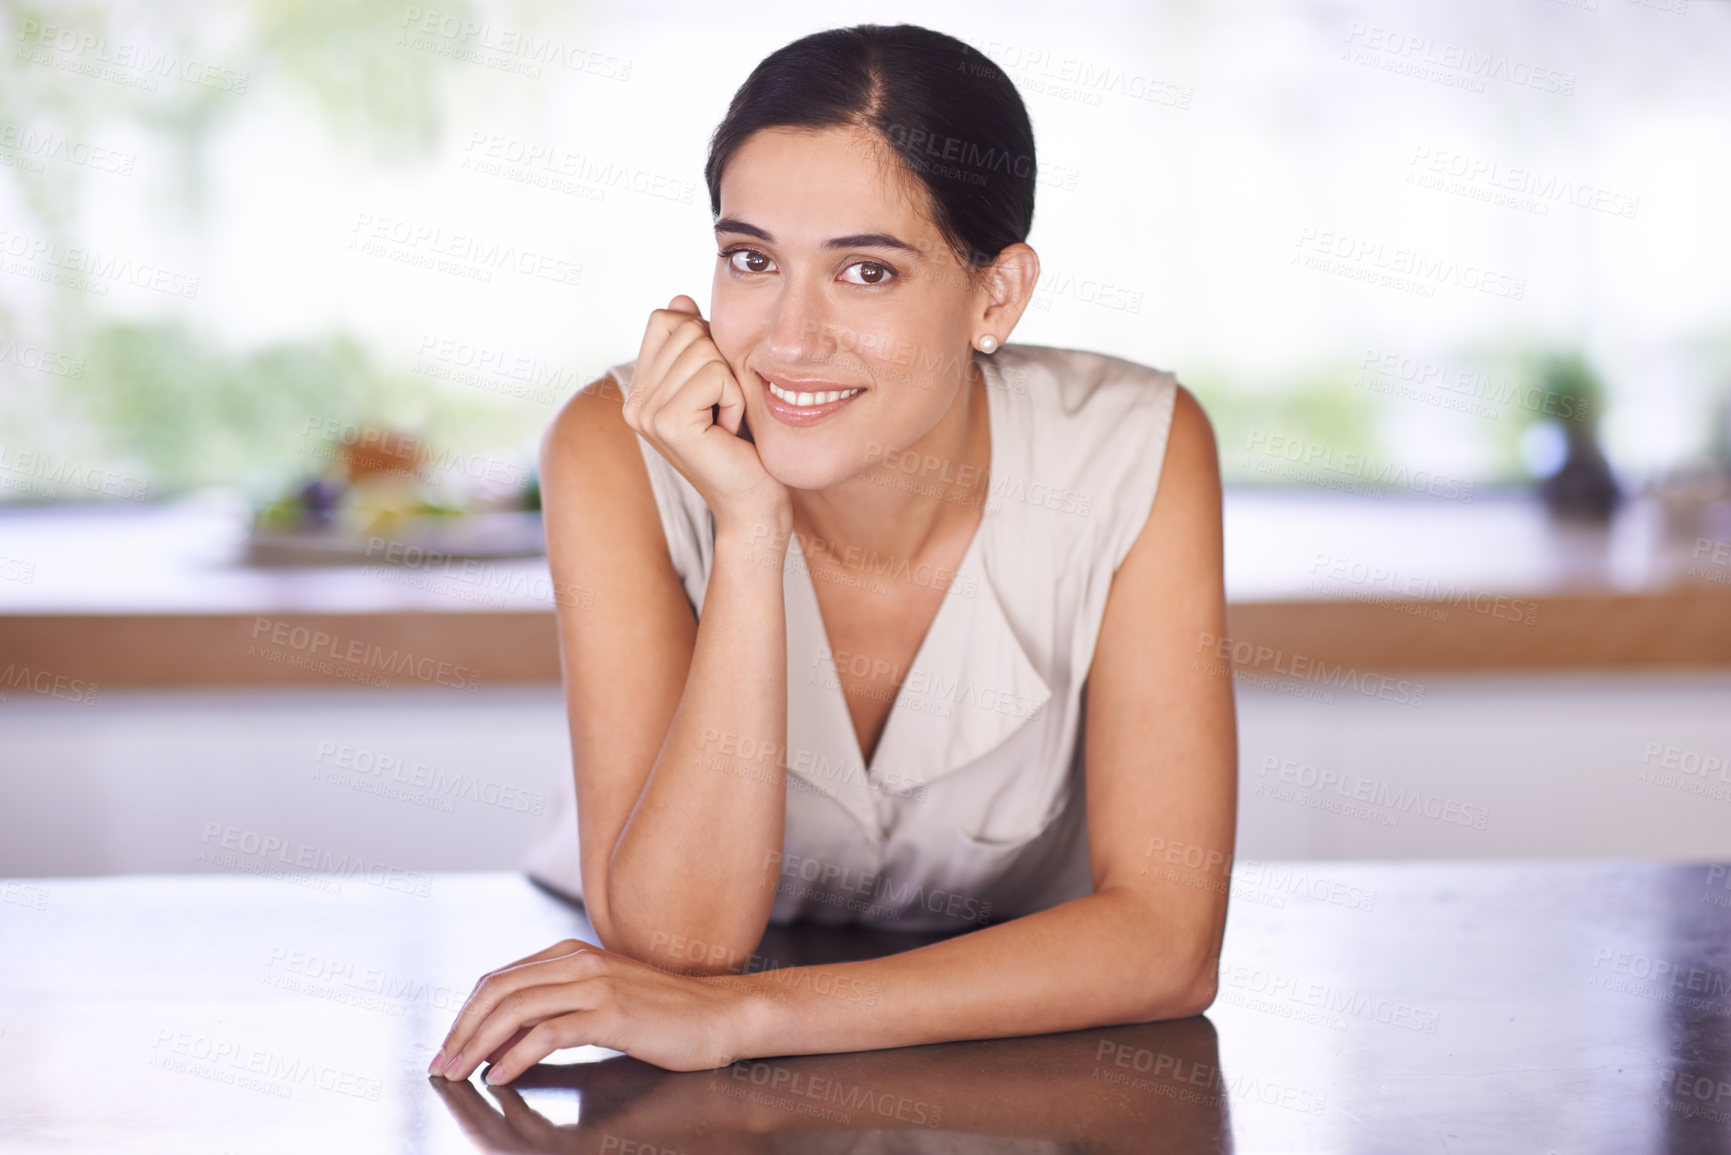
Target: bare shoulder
[
  {"x": 599, "y": 514},
  {"x": 589, "y": 422},
  {"x": 1181, "y": 542},
  {"x": 1192, "y": 463},
  {"x": 590, "y": 460}
]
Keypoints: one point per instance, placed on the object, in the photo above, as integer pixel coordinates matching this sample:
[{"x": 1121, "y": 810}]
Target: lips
[{"x": 786, "y": 408}]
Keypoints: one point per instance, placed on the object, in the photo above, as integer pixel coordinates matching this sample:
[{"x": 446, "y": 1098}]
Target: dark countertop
[{"x": 1460, "y": 1007}]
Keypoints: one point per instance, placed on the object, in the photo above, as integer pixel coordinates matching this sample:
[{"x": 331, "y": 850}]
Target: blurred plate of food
[{"x": 385, "y": 501}]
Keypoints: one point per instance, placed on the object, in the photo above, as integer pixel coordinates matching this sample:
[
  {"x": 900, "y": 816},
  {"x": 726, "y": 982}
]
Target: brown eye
[
  {"x": 871, "y": 273},
  {"x": 755, "y": 262}
]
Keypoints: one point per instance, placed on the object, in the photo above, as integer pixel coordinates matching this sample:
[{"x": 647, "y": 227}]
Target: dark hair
[{"x": 952, "y": 116}]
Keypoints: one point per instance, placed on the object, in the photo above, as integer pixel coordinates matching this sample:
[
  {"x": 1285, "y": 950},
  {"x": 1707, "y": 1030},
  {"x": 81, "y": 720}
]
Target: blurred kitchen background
[{"x": 289, "y": 289}]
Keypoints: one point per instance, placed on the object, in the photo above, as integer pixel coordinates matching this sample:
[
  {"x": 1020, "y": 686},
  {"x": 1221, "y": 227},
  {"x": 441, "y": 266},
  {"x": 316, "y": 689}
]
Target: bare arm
[
  {"x": 1162, "y": 799},
  {"x": 674, "y": 824}
]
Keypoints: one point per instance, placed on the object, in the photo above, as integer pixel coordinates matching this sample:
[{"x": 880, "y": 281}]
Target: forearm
[
  {"x": 689, "y": 863},
  {"x": 1102, "y": 959}
]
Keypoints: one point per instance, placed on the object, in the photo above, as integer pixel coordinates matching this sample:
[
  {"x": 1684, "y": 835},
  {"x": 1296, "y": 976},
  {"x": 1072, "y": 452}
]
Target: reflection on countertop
[
  {"x": 1363, "y": 1006},
  {"x": 1107, "y": 1090}
]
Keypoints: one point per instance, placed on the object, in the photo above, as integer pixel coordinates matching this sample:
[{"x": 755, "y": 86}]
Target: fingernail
[
  {"x": 438, "y": 1061},
  {"x": 455, "y": 1065},
  {"x": 493, "y": 1075}
]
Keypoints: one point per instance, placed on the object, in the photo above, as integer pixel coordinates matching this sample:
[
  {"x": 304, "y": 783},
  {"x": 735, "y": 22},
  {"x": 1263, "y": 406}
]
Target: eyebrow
[{"x": 852, "y": 241}]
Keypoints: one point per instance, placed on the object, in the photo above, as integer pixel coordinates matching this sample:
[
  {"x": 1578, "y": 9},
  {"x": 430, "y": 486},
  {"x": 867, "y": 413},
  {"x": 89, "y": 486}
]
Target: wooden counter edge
[
  {"x": 459, "y": 651},
  {"x": 1682, "y": 628},
  {"x": 1686, "y": 627}
]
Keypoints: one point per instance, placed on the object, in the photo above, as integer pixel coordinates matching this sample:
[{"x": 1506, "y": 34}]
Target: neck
[{"x": 892, "y": 510}]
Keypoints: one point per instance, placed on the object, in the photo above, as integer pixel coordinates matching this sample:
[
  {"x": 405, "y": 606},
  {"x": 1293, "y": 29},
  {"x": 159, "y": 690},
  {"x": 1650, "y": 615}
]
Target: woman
[{"x": 910, "y": 549}]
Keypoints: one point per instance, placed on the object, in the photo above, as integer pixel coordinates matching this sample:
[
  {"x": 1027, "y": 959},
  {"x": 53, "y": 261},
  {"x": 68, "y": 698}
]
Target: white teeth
[{"x": 805, "y": 400}]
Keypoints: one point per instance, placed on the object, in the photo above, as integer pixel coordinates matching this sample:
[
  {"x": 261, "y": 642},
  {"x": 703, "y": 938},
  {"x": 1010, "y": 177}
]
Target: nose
[{"x": 799, "y": 331}]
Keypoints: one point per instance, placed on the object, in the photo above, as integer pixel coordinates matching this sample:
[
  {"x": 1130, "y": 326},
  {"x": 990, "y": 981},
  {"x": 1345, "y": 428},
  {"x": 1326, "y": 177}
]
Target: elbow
[
  {"x": 1189, "y": 980},
  {"x": 1198, "y": 994},
  {"x": 1201, "y": 976},
  {"x": 684, "y": 954},
  {"x": 685, "y": 950},
  {"x": 1186, "y": 977},
  {"x": 612, "y": 932},
  {"x": 1189, "y": 995},
  {"x": 692, "y": 934}
]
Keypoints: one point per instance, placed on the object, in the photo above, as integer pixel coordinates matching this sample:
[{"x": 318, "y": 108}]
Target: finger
[
  {"x": 686, "y": 393},
  {"x": 712, "y": 384},
  {"x": 524, "y": 1008},
  {"x": 554, "y": 1034},
  {"x": 698, "y": 380},
  {"x": 663, "y": 324},
  {"x": 498, "y": 1052},
  {"x": 684, "y": 304},
  {"x": 685, "y": 331},
  {"x": 495, "y": 986},
  {"x": 655, "y": 334},
  {"x": 467, "y": 1050},
  {"x": 672, "y": 334},
  {"x": 732, "y": 403},
  {"x": 710, "y": 388},
  {"x": 563, "y": 947}
]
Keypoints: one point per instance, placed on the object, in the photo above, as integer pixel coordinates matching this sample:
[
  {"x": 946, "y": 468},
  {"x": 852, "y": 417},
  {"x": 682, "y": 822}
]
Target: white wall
[
  {"x": 1557, "y": 761},
  {"x": 134, "y": 781},
  {"x": 157, "y": 781}
]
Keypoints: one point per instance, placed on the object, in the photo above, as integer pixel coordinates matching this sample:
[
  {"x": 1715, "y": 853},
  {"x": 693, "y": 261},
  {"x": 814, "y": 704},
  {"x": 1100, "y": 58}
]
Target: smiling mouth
[
  {"x": 789, "y": 404},
  {"x": 810, "y": 400}
]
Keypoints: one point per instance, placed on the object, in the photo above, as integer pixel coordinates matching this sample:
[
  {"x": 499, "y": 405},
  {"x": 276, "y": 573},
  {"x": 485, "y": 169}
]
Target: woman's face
[{"x": 833, "y": 278}]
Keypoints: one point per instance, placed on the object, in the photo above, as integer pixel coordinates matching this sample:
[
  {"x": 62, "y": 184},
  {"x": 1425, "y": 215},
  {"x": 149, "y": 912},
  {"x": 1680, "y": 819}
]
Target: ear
[{"x": 1007, "y": 288}]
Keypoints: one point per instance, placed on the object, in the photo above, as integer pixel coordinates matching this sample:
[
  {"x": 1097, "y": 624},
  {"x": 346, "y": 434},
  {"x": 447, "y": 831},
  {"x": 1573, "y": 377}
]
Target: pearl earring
[{"x": 988, "y": 344}]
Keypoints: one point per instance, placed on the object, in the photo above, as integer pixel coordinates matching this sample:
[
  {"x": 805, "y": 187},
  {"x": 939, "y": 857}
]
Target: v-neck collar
[{"x": 969, "y": 687}]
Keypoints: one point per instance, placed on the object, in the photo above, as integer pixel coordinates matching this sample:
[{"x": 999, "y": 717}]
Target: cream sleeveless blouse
[{"x": 972, "y": 808}]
